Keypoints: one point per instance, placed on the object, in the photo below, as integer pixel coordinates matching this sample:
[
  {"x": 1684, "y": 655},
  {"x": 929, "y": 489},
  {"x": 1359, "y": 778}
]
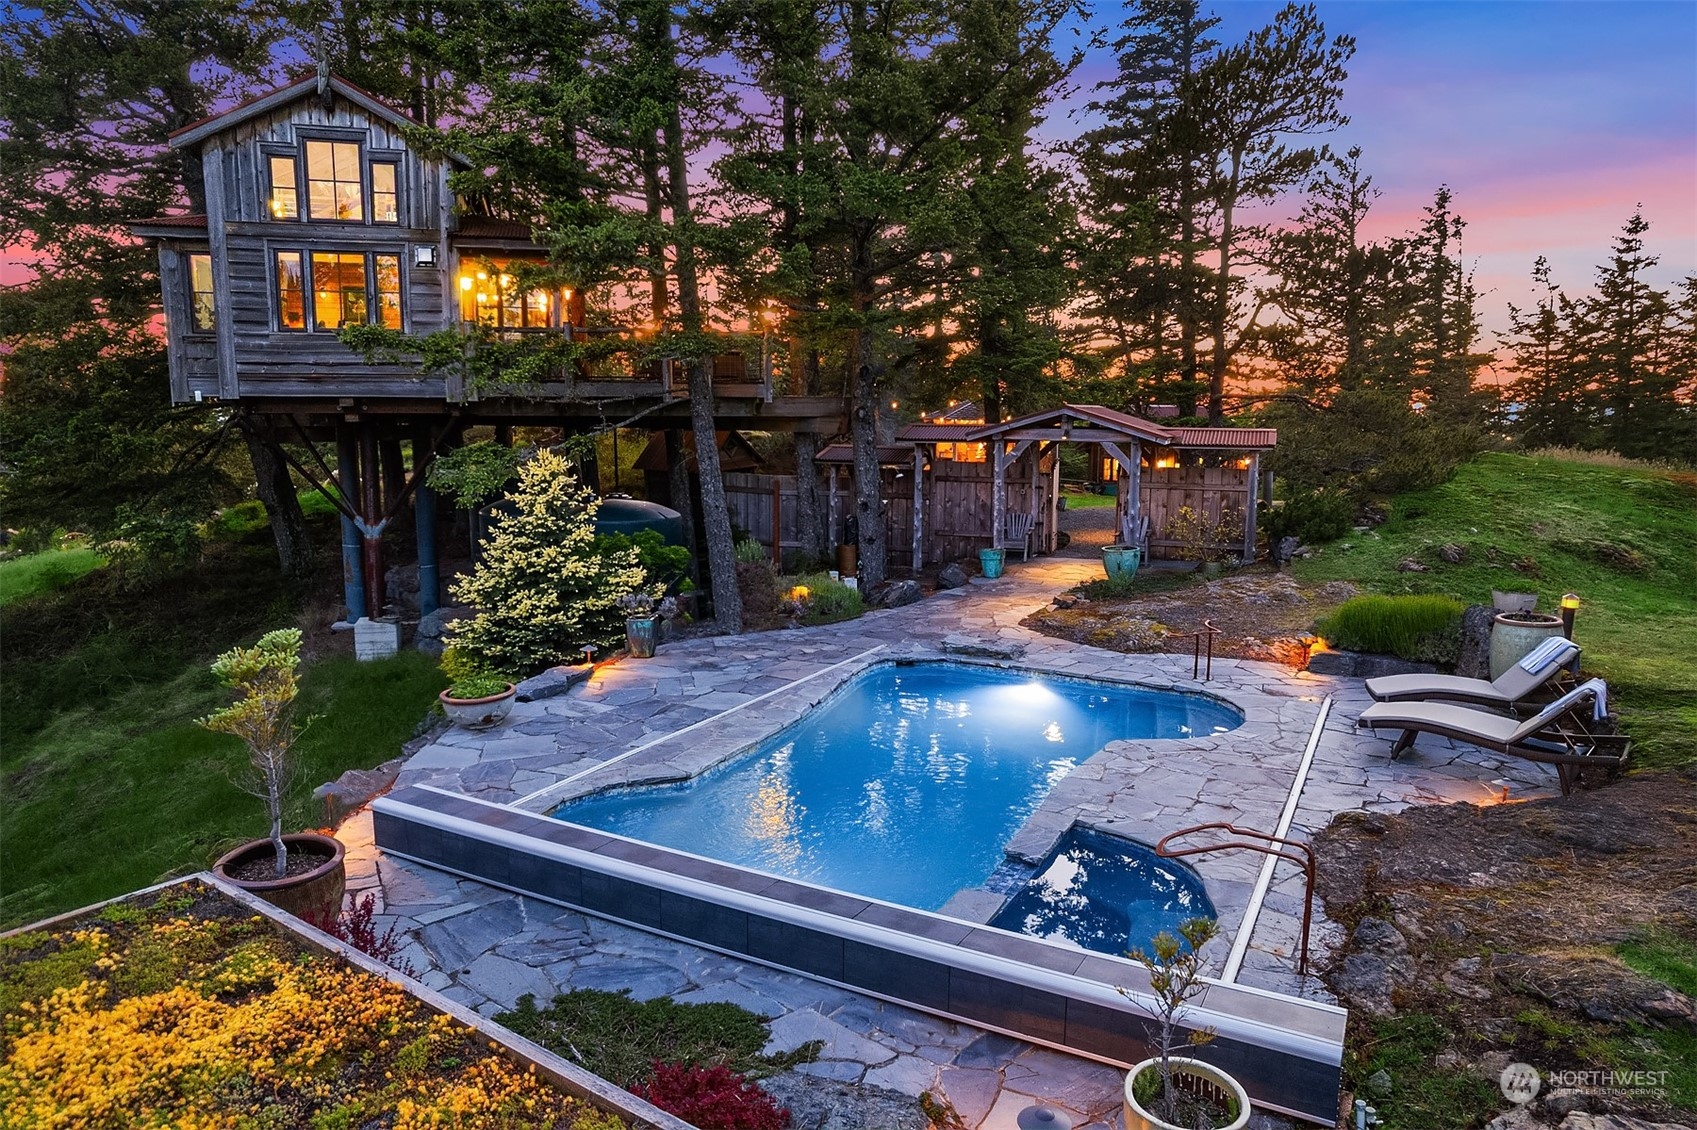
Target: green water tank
[{"x": 632, "y": 515}]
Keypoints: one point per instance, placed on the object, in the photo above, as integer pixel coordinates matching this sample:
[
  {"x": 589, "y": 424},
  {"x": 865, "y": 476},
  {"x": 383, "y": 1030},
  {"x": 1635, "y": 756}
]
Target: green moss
[
  {"x": 619, "y": 1039},
  {"x": 1422, "y": 1094},
  {"x": 1669, "y": 959}
]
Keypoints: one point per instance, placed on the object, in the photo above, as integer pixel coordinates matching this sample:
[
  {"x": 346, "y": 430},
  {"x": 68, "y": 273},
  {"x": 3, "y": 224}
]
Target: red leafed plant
[
  {"x": 356, "y": 926},
  {"x": 713, "y": 1098}
]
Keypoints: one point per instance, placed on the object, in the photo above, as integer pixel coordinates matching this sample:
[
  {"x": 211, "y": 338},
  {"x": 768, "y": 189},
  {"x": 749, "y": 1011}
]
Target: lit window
[
  {"x": 388, "y": 291},
  {"x": 946, "y": 451},
  {"x": 338, "y": 290},
  {"x": 285, "y": 191},
  {"x": 291, "y": 292},
  {"x": 333, "y": 188},
  {"x": 385, "y": 202},
  {"x": 492, "y": 297},
  {"x": 203, "y": 308}
]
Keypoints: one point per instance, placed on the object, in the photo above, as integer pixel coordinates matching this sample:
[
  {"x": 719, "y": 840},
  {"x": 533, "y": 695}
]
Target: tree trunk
[
  {"x": 276, "y": 489},
  {"x": 868, "y": 497},
  {"x": 682, "y": 492},
  {"x": 809, "y": 501},
  {"x": 715, "y": 510}
]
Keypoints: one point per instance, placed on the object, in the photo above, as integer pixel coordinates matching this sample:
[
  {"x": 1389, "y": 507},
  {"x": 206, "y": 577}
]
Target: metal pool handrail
[
  {"x": 1305, "y": 858},
  {"x": 1211, "y": 631}
]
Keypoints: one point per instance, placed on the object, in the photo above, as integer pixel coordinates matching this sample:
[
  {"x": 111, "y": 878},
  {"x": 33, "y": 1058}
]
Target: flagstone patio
[{"x": 701, "y": 700}]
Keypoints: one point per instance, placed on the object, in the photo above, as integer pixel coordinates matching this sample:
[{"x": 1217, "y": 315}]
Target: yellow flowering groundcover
[{"x": 182, "y": 1008}]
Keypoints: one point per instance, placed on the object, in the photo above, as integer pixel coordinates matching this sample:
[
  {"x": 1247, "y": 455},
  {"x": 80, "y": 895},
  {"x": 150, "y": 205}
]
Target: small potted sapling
[
  {"x": 303, "y": 872},
  {"x": 1173, "y": 1092},
  {"x": 477, "y": 698}
]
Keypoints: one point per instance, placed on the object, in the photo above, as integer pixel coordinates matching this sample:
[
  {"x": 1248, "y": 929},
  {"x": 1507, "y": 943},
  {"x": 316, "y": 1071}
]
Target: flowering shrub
[
  {"x": 206, "y": 1020},
  {"x": 713, "y": 1098},
  {"x": 357, "y": 926}
]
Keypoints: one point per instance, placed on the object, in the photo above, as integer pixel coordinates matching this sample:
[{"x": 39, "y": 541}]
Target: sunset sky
[{"x": 1549, "y": 120}]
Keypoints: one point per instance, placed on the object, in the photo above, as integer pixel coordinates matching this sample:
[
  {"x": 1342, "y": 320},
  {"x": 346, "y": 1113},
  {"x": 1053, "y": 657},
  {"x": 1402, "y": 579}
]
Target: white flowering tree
[{"x": 543, "y": 590}]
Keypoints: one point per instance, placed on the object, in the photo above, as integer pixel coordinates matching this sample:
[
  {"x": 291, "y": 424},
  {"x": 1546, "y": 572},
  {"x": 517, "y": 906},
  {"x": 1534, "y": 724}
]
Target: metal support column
[
  {"x": 371, "y": 515},
  {"x": 347, "y": 476},
  {"x": 424, "y": 526}
]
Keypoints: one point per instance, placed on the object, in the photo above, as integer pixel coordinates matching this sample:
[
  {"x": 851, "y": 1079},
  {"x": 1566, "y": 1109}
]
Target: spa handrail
[{"x": 1305, "y": 858}]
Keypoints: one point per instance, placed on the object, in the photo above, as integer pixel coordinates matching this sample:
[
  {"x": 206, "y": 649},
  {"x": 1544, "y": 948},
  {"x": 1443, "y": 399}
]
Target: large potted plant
[
  {"x": 303, "y": 872},
  {"x": 642, "y": 621},
  {"x": 1173, "y": 1092}
]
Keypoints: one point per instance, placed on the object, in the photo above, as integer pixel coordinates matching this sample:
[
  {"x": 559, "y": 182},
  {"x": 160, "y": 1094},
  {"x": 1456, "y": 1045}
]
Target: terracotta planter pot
[
  {"x": 1197, "y": 1076},
  {"x": 1515, "y": 634},
  {"x": 315, "y": 895},
  {"x": 478, "y": 713}
]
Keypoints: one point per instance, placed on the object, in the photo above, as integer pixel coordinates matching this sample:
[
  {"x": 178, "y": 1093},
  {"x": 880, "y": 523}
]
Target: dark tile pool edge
[{"x": 1287, "y": 1052}]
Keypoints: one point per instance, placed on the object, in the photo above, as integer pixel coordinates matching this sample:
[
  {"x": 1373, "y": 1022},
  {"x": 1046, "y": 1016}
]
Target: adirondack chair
[
  {"x": 1016, "y": 533},
  {"x": 1134, "y": 530}
]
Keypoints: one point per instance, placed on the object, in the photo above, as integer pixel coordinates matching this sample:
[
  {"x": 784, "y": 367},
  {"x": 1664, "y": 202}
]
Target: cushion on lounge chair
[{"x": 1504, "y": 691}]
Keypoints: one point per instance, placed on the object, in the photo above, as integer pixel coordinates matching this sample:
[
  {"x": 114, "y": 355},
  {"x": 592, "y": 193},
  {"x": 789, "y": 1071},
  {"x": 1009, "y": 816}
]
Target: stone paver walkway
[{"x": 699, "y": 701}]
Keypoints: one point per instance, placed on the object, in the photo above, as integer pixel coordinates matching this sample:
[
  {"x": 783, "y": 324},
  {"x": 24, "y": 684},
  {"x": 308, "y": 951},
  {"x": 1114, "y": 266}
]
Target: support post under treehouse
[
  {"x": 424, "y": 526},
  {"x": 353, "y": 569},
  {"x": 371, "y": 518}
]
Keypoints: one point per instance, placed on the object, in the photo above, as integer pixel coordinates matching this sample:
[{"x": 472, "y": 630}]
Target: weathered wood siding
[
  {"x": 1210, "y": 491},
  {"x": 958, "y": 504},
  {"x": 750, "y": 500},
  {"x": 270, "y": 362}
]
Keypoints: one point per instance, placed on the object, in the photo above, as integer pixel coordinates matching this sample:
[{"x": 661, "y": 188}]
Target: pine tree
[
  {"x": 542, "y": 591},
  {"x": 1551, "y": 407}
]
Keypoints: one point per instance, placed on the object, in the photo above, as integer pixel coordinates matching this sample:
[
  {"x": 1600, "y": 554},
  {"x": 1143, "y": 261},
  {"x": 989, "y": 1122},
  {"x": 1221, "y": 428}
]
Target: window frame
[
  {"x": 470, "y": 265},
  {"x": 268, "y": 153},
  {"x": 193, "y": 328},
  {"x": 309, "y": 288},
  {"x": 357, "y": 137},
  {"x": 395, "y": 158}
]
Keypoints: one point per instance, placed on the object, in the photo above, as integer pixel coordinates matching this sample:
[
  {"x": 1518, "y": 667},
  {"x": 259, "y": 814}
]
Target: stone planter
[
  {"x": 990, "y": 563},
  {"x": 1515, "y": 634},
  {"x": 478, "y": 713},
  {"x": 315, "y": 895},
  {"x": 640, "y": 635},
  {"x": 1192, "y": 1075},
  {"x": 1121, "y": 561}
]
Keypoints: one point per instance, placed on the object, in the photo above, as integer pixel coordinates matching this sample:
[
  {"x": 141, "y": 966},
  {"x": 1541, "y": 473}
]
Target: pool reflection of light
[{"x": 905, "y": 787}]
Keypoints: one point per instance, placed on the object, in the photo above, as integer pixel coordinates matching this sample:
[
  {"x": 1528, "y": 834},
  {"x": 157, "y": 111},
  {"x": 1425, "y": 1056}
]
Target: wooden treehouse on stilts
[{"x": 320, "y": 215}]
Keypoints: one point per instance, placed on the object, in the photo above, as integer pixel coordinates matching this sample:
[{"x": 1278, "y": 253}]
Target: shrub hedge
[{"x": 1421, "y": 628}]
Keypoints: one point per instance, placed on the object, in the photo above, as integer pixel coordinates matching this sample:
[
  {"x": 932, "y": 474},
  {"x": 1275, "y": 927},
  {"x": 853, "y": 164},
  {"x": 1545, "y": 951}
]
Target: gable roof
[
  {"x": 1234, "y": 438},
  {"x": 1095, "y": 414},
  {"x": 308, "y": 85}
]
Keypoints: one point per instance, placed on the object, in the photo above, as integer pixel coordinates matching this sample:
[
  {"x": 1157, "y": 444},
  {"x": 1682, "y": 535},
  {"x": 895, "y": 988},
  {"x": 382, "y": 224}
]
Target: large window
[
  {"x": 491, "y": 296},
  {"x": 291, "y": 291},
  {"x": 203, "y": 306},
  {"x": 385, "y": 198},
  {"x": 345, "y": 288},
  {"x": 285, "y": 202},
  {"x": 333, "y": 181},
  {"x": 338, "y": 290}
]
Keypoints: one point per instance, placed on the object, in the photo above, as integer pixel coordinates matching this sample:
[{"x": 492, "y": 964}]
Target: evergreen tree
[
  {"x": 1551, "y": 406},
  {"x": 543, "y": 590},
  {"x": 1446, "y": 317},
  {"x": 91, "y": 91}
]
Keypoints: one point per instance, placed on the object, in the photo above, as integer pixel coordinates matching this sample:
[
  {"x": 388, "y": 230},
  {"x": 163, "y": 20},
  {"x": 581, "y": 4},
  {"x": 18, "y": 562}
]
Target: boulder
[
  {"x": 1410, "y": 565},
  {"x": 1583, "y": 1120},
  {"x": 401, "y": 587},
  {"x": 894, "y": 594},
  {"x": 1375, "y": 935},
  {"x": 552, "y": 682},
  {"x": 952, "y": 576},
  {"x": 1474, "y": 659},
  {"x": 1366, "y": 981},
  {"x": 1452, "y": 553},
  {"x": 354, "y": 788},
  {"x": 978, "y": 647},
  {"x": 435, "y": 625}
]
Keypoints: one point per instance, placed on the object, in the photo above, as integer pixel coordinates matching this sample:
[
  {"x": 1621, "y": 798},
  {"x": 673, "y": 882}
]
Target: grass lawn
[
  {"x": 109, "y": 783},
  {"x": 1622, "y": 537},
  {"x": 1087, "y": 500},
  {"x": 46, "y": 571}
]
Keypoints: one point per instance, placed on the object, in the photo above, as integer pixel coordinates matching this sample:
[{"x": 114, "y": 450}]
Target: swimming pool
[
  {"x": 1105, "y": 893},
  {"x": 906, "y": 785}
]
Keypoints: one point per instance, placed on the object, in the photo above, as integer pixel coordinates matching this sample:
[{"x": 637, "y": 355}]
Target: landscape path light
[
  {"x": 1043, "y": 1117},
  {"x": 1569, "y": 606}
]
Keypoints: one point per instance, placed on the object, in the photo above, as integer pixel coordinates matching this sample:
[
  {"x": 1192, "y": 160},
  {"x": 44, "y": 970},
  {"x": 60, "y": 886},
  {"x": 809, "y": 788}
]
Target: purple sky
[{"x": 1549, "y": 120}]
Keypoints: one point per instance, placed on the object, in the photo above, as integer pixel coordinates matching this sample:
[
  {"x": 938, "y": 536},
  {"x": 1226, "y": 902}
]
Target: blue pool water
[
  {"x": 905, "y": 786},
  {"x": 1105, "y": 893}
]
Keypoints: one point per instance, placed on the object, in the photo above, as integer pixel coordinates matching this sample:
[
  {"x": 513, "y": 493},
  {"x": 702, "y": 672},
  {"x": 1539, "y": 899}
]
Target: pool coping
[{"x": 1285, "y": 1050}]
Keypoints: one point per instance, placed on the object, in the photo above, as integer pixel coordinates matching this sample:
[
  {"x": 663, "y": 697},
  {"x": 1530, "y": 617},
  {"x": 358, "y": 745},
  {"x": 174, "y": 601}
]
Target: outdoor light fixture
[
  {"x": 1042, "y": 1117},
  {"x": 589, "y": 651},
  {"x": 424, "y": 255},
  {"x": 1569, "y": 606},
  {"x": 465, "y": 282}
]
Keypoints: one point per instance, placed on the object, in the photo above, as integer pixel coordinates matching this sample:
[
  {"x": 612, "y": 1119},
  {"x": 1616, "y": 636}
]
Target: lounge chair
[
  {"x": 1557, "y": 735},
  {"x": 1516, "y": 688}
]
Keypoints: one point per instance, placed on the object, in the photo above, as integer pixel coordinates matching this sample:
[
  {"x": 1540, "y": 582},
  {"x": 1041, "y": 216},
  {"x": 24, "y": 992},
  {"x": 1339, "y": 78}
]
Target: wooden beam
[
  {"x": 1127, "y": 506},
  {"x": 1074, "y": 435},
  {"x": 1250, "y": 512}
]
